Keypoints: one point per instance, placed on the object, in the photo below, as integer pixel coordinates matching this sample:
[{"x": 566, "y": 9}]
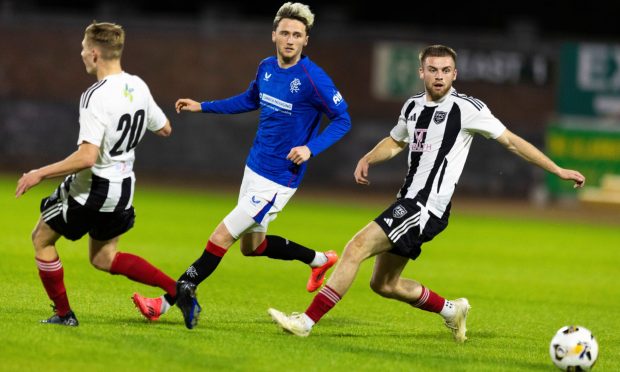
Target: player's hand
[
  {"x": 27, "y": 181},
  {"x": 187, "y": 104},
  {"x": 299, "y": 154},
  {"x": 361, "y": 172},
  {"x": 572, "y": 175}
]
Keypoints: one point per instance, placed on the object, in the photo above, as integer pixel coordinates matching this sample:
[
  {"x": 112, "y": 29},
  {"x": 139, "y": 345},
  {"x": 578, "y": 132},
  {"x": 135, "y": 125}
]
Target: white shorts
[{"x": 260, "y": 201}]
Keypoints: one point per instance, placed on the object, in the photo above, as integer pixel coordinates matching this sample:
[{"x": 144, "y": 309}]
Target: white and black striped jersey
[
  {"x": 115, "y": 113},
  {"x": 439, "y": 135}
]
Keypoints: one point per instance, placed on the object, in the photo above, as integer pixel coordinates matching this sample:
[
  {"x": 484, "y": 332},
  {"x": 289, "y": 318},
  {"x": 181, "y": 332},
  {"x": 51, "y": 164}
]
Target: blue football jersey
[{"x": 292, "y": 102}]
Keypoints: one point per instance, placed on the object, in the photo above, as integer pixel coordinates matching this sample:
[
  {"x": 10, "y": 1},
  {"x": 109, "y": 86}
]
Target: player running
[
  {"x": 437, "y": 126},
  {"x": 292, "y": 93},
  {"x": 96, "y": 198}
]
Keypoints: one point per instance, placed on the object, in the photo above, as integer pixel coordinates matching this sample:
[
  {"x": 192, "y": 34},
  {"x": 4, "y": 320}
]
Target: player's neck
[
  {"x": 287, "y": 63},
  {"x": 108, "y": 68}
]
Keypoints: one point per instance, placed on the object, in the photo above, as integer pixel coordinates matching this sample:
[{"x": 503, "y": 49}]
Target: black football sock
[
  {"x": 284, "y": 249},
  {"x": 205, "y": 265}
]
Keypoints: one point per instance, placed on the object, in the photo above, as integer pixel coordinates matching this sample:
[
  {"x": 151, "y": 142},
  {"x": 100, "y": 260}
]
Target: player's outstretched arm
[
  {"x": 85, "y": 157},
  {"x": 187, "y": 104},
  {"x": 530, "y": 153},
  {"x": 386, "y": 149}
]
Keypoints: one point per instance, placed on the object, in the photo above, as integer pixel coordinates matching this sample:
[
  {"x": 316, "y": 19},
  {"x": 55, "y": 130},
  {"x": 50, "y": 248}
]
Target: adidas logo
[{"x": 388, "y": 221}]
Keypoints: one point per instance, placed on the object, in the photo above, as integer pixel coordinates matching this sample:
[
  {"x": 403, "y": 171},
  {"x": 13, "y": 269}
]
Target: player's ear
[
  {"x": 455, "y": 73},
  {"x": 273, "y": 36},
  {"x": 306, "y": 41},
  {"x": 421, "y": 73}
]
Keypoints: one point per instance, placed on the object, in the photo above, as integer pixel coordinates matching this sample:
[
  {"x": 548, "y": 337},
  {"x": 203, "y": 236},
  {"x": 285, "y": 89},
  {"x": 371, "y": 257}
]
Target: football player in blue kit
[{"x": 292, "y": 93}]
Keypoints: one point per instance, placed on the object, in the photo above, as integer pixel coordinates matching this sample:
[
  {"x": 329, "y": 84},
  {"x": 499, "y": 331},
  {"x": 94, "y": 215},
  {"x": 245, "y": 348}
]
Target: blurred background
[{"x": 549, "y": 70}]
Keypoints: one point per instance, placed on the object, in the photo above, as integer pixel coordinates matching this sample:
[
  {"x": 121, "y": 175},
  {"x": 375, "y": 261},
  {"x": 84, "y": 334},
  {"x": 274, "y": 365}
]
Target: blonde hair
[
  {"x": 298, "y": 11},
  {"x": 109, "y": 37},
  {"x": 437, "y": 51}
]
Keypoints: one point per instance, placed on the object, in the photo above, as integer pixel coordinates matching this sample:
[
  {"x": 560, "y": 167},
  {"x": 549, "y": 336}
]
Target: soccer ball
[{"x": 573, "y": 348}]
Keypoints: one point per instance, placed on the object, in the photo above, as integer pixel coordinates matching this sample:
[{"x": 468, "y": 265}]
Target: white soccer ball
[{"x": 573, "y": 348}]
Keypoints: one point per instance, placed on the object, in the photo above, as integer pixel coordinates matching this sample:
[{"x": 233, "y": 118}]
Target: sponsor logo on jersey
[
  {"x": 337, "y": 98},
  {"x": 295, "y": 84},
  {"x": 278, "y": 103},
  {"x": 388, "y": 221},
  {"x": 439, "y": 116},
  {"x": 267, "y": 76},
  {"x": 128, "y": 93},
  {"x": 417, "y": 143},
  {"x": 399, "y": 211}
]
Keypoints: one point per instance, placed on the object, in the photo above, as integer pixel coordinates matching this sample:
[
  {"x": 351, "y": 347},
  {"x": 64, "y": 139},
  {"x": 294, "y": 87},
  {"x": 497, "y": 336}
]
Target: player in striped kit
[
  {"x": 292, "y": 93},
  {"x": 437, "y": 126},
  {"x": 96, "y": 196}
]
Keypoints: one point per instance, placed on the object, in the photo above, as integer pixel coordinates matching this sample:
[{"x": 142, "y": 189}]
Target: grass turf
[{"x": 525, "y": 278}]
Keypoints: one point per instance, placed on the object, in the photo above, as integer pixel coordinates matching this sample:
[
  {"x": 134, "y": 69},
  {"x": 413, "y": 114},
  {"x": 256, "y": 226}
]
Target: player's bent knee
[
  {"x": 101, "y": 262},
  {"x": 41, "y": 237},
  {"x": 247, "y": 251},
  {"x": 381, "y": 288}
]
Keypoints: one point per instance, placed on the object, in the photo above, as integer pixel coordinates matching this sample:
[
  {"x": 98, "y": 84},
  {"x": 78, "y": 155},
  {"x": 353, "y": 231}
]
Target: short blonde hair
[
  {"x": 109, "y": 37},
  {"x": 298, "y": 11},
  {"x": 437, "y": 51}
]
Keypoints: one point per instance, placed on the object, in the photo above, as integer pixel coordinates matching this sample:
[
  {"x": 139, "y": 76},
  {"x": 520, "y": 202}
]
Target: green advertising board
[
  {"x": 593, "y": 152},
  {"x": 589, "y": 83}
]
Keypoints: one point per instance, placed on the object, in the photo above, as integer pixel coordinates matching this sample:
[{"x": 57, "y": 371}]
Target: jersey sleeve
[
  {"x": 399, "y": 132},
  {"x": 92, "y": 126},
  {"x": 156, "y": 118},
  {"x": 327, "y": 99},
  {"x": 486, "y": 123},
  {"x": 244, "y": 102}
]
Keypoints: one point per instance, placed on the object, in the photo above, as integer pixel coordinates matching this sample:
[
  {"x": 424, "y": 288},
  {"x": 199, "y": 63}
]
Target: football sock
[
  {"x": 140, "y": 270},
  {"x": 320, "y": 259},
  {"x": 169, "y": 299},
  {"x": 323, "y": 302},
  {"x": 448, "y": 310},
  {"x": 52, "y": 276},
  {"x": 165, "y": 305},
  {"x": 429, "y": 301},
  {"x": 205, "y": 265},
  {"x": 284, "y": 249}
]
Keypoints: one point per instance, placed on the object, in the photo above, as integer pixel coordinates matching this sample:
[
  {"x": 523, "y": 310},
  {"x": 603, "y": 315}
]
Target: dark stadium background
[{"x": 209, "y": 50}]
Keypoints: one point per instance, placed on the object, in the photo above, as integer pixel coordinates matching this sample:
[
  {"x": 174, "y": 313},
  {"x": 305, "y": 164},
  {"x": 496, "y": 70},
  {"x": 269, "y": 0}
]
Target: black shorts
[
  {"x": 401, "y": 223},
  {"x": 72, "y": 220}
]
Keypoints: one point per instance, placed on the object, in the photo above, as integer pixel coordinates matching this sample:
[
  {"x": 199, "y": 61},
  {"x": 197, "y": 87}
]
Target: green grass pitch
[{"x": 524, "y": 277}]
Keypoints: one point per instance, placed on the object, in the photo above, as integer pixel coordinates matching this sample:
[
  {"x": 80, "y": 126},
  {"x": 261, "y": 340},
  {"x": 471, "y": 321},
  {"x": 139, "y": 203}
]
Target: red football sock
[
  {"x": 52, "y": 276},
  {"x": 322, "y": 303},
  {"x": 429, "y": 301},
  {"x": 140, "y": 270}
]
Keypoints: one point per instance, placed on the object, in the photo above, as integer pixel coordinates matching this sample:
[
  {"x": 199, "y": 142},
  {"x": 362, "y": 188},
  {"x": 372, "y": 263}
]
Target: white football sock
[
  {"x": 165, "y": 306},
  {"x": 448, "y": 310},
  {"x": 309, "y": 322},
  {"x": 319, "y": 259}
]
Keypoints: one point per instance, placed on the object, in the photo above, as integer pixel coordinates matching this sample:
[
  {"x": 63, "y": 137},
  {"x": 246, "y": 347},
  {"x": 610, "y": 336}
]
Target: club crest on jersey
[
  {"x": 439, "y": 116},
  {"x": 295, "y": 85},
  {"x": 399, "y": 211}
]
